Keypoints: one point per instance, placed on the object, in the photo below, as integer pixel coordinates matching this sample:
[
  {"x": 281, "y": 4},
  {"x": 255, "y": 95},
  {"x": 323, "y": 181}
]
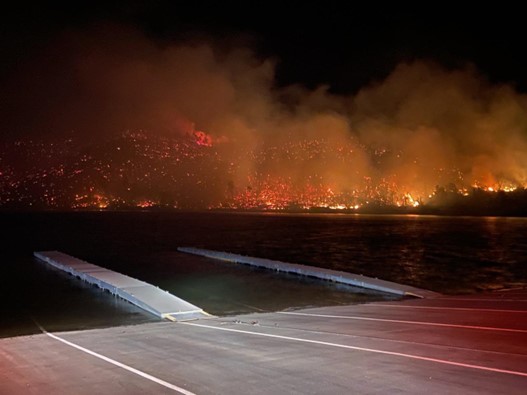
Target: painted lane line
[
  {"x": 510, "y": 289},
  {"x": 483, "y": 299},
  {"x": 485, "y": 328},
  {"x": 447, "y": 308},
  {"x": 372, "y": 350},
  {"x": 387, "y": 340},
  {"x": 121, "y": 365}
]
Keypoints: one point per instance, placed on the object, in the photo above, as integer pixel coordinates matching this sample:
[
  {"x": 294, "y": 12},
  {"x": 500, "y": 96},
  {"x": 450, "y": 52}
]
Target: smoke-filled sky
[{"x": 442, "y": 93}]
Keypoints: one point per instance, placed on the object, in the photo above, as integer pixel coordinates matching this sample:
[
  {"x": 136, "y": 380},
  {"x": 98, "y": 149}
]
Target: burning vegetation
[
  {"x": 146, "y": 171},
  {"x": 208, "y": 128}
]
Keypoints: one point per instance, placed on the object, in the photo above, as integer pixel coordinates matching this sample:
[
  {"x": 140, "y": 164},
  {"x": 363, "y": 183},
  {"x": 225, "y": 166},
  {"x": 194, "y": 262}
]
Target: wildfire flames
[
  {"x": 180, "y": 166},
  {"x": 209, "y": 128},
  {"x": 281, "y": 191},
  {"x": 203, "y": 138}
]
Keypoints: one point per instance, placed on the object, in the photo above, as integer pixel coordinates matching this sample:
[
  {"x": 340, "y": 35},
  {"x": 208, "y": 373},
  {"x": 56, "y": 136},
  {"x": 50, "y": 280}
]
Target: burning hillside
[{"x": 208, "y": 128}]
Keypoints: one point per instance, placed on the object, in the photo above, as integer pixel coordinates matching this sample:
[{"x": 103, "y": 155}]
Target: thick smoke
[
  {"x": 113, "y": 78},
  {"x": 446, "y": 121},
  {"x": 420, "y": 127}
]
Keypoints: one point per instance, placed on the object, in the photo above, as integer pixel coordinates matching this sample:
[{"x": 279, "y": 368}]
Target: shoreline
[{"x": 388, "y": 211}]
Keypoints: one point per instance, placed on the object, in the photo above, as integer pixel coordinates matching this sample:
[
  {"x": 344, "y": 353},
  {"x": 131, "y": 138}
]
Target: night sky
[{"x": 324, "y": 43}]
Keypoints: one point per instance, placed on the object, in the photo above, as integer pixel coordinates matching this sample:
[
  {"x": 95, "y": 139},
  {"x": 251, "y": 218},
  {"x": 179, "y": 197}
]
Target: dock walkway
[
  {"x": 356, "y": 280},
  {"x": 144, "y": 295}
]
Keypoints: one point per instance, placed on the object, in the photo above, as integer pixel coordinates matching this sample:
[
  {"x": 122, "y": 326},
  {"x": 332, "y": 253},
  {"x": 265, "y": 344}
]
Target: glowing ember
[
  {"x": 189, "y": 172},
  {"x": 146, "y": 204},
  {"x": 203, "y": 138}
]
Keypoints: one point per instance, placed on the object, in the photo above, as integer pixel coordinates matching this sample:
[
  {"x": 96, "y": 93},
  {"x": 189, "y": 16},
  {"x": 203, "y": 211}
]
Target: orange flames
[{"x": 203, "y": 138}]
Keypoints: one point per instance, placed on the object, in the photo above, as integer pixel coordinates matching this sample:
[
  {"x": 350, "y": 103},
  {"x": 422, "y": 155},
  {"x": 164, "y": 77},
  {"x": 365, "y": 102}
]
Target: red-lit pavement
[{"x": 469, "y": 344}]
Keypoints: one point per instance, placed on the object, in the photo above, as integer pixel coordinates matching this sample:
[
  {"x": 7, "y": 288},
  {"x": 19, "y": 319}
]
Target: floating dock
[
  {"x": 146, "y": 296},
  {"x": 356, "y": 280}
]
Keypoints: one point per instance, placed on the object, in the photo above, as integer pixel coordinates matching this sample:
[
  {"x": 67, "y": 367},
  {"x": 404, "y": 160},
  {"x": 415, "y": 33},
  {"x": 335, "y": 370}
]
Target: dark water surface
[{"x": 447, "y": 254}]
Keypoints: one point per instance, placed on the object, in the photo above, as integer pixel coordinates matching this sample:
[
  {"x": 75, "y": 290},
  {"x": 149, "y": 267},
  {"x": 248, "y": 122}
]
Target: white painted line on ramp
[
  {"x": 447, "y": 299},
  {"x": 398, "y": 354},
  {"x": 445, "y": 308},
  {"x": 485, "y": 328},
  {"x": 121, "y": 365}
]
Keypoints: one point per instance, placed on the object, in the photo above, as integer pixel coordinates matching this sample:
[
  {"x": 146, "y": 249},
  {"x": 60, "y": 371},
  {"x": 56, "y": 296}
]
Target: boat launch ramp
[{"x": 473, "y": 344}]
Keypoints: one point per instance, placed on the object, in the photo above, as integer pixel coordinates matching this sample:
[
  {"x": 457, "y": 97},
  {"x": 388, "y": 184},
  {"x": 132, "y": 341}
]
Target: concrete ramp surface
[{"x": 474, "y": 344}]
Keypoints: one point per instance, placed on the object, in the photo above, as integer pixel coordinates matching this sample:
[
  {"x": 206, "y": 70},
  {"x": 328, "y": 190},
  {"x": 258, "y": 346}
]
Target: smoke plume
[{"x": 420, "y": 127}]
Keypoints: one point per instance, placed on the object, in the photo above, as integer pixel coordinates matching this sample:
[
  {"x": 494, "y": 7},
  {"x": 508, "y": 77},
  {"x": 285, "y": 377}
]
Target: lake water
[{"x": 452, "y": 255}]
